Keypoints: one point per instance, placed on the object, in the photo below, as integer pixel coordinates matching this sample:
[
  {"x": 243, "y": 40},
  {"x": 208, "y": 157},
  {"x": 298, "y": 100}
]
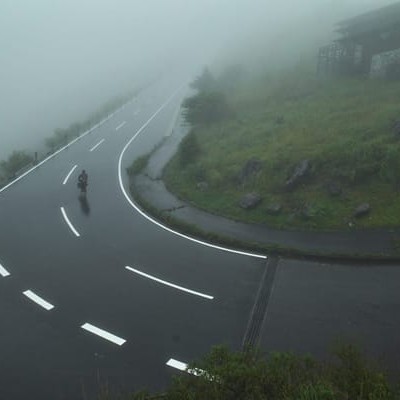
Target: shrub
[
  {"x": 205, "y": 82},
  {"x": 206, "y": 108},
  {"x": 189, "y": 149},
  {"x": 16, "y": 161}
]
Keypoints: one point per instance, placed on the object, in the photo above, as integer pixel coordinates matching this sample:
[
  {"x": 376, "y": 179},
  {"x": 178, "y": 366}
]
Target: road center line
[
  {"x": 76, "y": 233},
  {"x": 38, "y": 300},
  {"x": 104, "y": 334},
  {"x": 120, "y": 126},
  {"x": 97, "y": 145},
  {"x": 4, "y": 272},
  {"x": 69, "y": 174},
  {"x": 181, "y": 366},
  {"x": 206, "y": 296}
]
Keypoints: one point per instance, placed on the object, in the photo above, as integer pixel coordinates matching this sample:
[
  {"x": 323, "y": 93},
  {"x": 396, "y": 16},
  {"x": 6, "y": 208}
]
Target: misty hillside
[{"x": 343, "y": 134}]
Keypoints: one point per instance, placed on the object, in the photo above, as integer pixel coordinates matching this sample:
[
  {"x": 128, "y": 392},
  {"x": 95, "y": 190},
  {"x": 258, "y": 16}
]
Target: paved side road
[
  {"x": 374, "y": 243},
  {"x": 315, "y": 306}
]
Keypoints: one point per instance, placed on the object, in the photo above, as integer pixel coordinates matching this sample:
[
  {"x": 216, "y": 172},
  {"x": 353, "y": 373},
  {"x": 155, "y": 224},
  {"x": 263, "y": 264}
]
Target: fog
[{"x": 60, "y": 60}]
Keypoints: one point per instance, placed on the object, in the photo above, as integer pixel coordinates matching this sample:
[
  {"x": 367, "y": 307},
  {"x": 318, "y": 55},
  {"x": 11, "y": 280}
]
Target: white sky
[{"x": 60, "y": 59}]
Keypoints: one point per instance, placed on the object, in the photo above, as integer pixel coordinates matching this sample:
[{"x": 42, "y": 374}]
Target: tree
[
  {"x": 16, "y": 161},
  {"x": 75, "y": 129},
  {"x": 204, "y": 108},
  {"x": 205, "y": 82},
  {"x": 231, "y": 77},
  {"x": 59, "y": 138}
]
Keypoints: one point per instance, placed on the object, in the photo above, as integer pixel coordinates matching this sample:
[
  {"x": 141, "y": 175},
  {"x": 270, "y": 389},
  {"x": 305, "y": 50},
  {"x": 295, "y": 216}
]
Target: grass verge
[{"x": 346, "y": 128}]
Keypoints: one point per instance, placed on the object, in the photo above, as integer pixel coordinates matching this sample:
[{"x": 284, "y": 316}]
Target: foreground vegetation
[
  {"x": 347, "y": 130},
  {"x": 227, "y": 375}
]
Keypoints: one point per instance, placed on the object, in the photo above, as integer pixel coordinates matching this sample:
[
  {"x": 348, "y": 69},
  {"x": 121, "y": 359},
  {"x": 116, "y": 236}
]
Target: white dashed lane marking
[
  {"x": 181, "y": 366},
  {"x": 69, "y": 174},
  {"x": 153, "y": 278},
  {"x": 74, "y": 231},
  {"x": 97, "y": 145},
  {"x": 104, "y": 334},
  {"x": 4, "y": 272},
  {"x": 38, "y": 300},
  {"x": 120, "y": 126},
  {"x": 177, "y": 364}
]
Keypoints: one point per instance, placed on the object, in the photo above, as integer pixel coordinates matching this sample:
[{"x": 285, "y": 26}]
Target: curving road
[{"x": 93, "y": 295}]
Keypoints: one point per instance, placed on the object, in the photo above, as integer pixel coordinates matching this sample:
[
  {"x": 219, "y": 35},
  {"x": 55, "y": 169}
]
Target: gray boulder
[
  {"x": 298, "y": 175},
  {"x": 308, "y": 211},
  {"x": 250, "y": 200},
  {"x": 274, "y": 209},
  {"x": 362, "y": 210}
]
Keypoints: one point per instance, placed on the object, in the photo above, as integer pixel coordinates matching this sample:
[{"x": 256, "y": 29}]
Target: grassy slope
[{"x": 343, "y": 127}]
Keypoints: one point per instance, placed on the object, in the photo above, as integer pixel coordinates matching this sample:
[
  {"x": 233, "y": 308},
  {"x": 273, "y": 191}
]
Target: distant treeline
[
  {"x": 19, "y": 160},
  {"x": 210, "y": 104}
]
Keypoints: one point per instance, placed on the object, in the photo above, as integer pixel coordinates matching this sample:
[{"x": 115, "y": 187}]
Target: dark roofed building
[{"x": 369, "y": 44}]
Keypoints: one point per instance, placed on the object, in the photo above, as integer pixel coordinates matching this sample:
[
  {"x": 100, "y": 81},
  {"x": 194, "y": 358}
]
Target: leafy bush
[
  {"x": 16, "y": 161},
  {"x": 189, "y": 149},
  {"x": 205, "y": 82},
  {"x": 206, "y": 108}
]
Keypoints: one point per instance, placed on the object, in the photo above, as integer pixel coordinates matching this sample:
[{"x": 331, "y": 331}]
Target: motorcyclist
[{"x": 83, "y": 181}]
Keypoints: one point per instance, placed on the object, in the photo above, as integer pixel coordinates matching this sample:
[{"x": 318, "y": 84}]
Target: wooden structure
[{"x": 368, "y": 44}]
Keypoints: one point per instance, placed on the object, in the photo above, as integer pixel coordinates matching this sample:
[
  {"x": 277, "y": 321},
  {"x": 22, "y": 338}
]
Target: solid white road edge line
[
  {"x": 120, "y": 126},
  {"x": 4, "y": 272},
  {"x": 104, "y": 334},
  {"x": 69, "y": 174},
  {"x": 76, "y": 233},
  {"x": 181, "y": 366},
  {"x": 153, "y": 278},
  {"x": 54, "y": 154},
  {"x": 38, "y": 300},
  {"x": 153, "y": 220},
  {"x": 97, "y": 145}
]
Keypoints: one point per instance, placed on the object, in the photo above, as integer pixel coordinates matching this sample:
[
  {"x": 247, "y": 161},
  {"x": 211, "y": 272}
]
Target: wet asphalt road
[
  {"x": 315, "y": 306},
  {"x": 45, "y": 353}
]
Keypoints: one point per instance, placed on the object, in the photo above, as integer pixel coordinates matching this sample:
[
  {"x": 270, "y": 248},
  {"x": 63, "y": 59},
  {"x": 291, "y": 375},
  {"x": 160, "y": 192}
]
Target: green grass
[
  {"x": 138, "y": 165},
  {"x": 344, "y": 127}
]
